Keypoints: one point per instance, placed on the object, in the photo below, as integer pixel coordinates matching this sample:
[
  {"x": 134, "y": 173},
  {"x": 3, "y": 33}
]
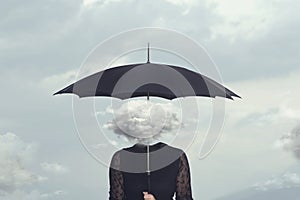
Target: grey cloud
[
  {"x": 272, "y": 53},
  {"x": 275, "y": 194},
  {"x": 291, "y": 141},
  {"x": 284, "y": 186},
  {"x": 41, "y": 35},
  {"x": 44, "y": 39}
]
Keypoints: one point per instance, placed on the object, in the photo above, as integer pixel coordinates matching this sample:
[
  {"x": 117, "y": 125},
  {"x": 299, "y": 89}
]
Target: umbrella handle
[
  {"x": 149, "y": 183},
  {"x": 148, "y": 168}
]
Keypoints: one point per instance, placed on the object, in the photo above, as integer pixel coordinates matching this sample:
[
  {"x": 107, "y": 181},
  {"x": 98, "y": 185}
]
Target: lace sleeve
[
  {"x": 116, "y": 191},
  {"x": 183, "y": 185}
]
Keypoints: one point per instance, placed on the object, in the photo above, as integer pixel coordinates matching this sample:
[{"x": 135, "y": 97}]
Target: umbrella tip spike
[{"x": 148, "y": 53}]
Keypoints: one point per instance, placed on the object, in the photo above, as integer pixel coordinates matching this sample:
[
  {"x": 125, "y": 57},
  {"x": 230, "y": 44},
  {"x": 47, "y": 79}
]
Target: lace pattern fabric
[
  {"x": 116, "y": 179},
  {"x": 183, "y": 185}
]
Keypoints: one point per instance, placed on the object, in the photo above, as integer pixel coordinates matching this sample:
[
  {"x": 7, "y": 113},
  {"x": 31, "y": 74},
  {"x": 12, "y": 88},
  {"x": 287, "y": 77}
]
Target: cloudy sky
[{"x": 254, "y": 44}]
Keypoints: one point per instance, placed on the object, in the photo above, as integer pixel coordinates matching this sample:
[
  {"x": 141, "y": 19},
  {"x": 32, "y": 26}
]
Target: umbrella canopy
[{"x": 147, "y": 79}]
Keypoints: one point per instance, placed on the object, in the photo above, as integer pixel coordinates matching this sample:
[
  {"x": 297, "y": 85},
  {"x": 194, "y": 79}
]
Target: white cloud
[
  {"x": 247, "y": 19},
  {"x": 53, "y": 167},
  {"x": 32, "y": 195},
  {"x": 21, "y": 194},
  {"x": 89, "y": 2},
  {"x": 286, "y": 180},
  {"x": 53, "y": 194},
  {"x": 59, "y": 192},
  {"x": 185, "y": 4},
  {"x": 16, "y": 161},
  {"x": 15, "y": 155},
  {"x": 92, "y": 3},
  {"x": 267, "y": 101},
  {"x": 58, "y": 81}
]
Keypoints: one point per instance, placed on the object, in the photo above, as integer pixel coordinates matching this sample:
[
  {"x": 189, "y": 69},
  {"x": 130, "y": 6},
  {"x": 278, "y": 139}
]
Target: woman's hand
[{"x": 148, "y": 196}]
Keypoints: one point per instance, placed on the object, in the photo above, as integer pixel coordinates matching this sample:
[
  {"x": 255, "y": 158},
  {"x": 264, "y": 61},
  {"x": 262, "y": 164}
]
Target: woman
[{"x": 170, "y": 173}]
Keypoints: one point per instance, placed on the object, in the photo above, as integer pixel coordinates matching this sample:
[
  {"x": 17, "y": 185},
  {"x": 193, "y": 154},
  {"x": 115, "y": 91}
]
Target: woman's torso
[{"x": 164, "y": 166}]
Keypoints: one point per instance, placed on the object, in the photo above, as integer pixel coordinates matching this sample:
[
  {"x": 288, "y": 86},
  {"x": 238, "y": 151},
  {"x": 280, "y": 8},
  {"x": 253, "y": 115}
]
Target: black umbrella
[
  {"x": 147, "y": 79},
  {"x": 153, "y": 79}
]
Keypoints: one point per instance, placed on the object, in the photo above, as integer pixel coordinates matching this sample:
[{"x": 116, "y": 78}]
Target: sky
[{"x": 253, "y": 43}]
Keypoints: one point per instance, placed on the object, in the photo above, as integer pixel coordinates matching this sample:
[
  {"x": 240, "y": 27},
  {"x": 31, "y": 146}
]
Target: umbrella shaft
[
  {"x": 148, "y": 168},
  {"x": 148, "y": 160}
]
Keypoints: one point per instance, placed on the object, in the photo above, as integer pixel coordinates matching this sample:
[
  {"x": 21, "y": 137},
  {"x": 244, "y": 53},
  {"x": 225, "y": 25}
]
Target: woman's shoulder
[
  {"x": 175, "y": 149},
  {"x": 162, "y": 149},
  {"x": 161, "y": 146}
]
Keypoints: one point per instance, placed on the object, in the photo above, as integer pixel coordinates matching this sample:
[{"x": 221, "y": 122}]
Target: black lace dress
[{"x": 170, "y": 173}]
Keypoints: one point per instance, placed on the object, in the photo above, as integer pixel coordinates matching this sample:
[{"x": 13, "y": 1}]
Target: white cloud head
[{"x": 140, "y": 120}]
